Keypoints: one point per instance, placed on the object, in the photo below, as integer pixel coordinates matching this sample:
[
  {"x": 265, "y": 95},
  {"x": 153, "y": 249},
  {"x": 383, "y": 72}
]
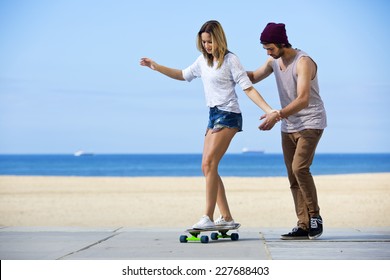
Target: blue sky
[{"x": 70, "y": 77}]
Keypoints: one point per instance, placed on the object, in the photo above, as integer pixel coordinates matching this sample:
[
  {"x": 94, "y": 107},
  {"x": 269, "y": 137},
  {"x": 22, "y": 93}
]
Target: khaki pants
[{"x": 298, "y": 150}]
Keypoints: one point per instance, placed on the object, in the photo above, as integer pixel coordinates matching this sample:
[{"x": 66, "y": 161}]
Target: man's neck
[{"x": 289, "y": 55}]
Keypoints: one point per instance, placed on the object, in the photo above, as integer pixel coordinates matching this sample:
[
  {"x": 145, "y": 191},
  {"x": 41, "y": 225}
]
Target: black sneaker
[
  {"x": 296, "y": 234},
  {"x": 315, "y": 227}
]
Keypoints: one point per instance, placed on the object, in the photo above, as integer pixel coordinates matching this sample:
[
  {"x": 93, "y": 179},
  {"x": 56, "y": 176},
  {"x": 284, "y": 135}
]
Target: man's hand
[{"x": 270, "y": 119}]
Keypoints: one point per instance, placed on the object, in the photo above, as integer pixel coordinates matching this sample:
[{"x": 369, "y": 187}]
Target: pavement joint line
[
  {"x": 119, "y": 228},
  {"x": 89, "y": 246},
  {"x": 267, "y": 251}
]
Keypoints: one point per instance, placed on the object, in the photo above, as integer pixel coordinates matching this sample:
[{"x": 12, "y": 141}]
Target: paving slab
[
  {"x": 334, "y": 244},
  {"x": 24, "y": 243},
  {"x": 72, "y": 243}
]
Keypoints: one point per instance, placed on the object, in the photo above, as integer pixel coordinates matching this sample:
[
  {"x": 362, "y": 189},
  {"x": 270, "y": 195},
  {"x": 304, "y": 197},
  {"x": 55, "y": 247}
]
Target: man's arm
[
  {"x": 261, "y": 73},
  {"x": 306, "y": 71}
]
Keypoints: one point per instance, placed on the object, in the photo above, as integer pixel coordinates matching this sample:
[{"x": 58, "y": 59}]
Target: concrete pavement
[{"x": 71, "y": 243}]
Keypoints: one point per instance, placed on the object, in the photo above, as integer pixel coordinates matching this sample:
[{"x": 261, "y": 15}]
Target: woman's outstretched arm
[{"x": 170, "y": 72}]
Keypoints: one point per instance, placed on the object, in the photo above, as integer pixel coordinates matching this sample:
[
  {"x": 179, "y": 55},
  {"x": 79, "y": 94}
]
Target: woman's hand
[{"x": 148, "y": 63}]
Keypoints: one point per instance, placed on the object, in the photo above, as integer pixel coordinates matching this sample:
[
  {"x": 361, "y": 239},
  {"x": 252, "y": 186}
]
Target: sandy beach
[{"x": 357, "y": 200}]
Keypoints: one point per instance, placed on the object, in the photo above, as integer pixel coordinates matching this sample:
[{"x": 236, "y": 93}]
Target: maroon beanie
[{"x": 274, "y": 33}]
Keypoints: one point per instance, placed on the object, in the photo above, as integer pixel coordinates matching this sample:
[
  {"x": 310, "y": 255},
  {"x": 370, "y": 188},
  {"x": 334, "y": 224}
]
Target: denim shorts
[{"x": 219, "y": 119}]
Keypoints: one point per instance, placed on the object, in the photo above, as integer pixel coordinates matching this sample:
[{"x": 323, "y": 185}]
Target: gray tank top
[{"x": 312, "y": 117}]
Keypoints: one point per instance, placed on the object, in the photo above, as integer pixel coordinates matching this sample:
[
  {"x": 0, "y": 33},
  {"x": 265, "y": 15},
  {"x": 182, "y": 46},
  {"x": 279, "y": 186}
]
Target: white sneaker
[
  {"x": 204, "y": 223},
  {"x": 221, "y": 222}
]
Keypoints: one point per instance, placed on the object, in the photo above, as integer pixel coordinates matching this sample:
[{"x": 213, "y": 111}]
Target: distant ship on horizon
[
  {"x": 82, "y": 153},
  {"x": 251, "y": 151}
]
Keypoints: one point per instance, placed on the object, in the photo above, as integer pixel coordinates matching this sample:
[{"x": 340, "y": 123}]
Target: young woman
[{"x": 220, "y": 71}]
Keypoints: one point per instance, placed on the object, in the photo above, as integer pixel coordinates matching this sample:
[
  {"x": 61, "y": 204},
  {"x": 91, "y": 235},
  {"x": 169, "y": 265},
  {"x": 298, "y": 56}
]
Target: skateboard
[{"x": 218, "y": 232}]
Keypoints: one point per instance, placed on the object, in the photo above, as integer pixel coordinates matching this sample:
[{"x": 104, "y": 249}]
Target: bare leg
[
  {"x": 215, "y": 146},
  {"x": 222, "y": 202}
]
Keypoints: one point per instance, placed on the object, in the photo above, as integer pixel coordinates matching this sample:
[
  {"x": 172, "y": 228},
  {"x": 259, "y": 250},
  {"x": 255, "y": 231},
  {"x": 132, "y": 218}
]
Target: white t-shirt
[{"x": 219, "y": 84}]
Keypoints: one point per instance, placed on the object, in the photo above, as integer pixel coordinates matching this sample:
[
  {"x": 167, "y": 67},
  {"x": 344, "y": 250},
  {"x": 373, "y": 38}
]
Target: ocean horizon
[{"x": 182, "y": 165}]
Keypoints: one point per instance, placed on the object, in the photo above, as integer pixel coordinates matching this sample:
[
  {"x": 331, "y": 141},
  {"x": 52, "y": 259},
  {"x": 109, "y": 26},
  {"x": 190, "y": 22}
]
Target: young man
[{"x": 303, "y": 121}]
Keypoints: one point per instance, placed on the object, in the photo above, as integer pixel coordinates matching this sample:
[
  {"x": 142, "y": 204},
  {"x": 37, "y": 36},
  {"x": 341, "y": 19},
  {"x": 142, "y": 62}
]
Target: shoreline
[{"x": 351, "y": 200}]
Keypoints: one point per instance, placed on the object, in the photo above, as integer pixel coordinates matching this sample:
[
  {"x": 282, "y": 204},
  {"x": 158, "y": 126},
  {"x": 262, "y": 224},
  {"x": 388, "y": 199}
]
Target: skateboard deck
[{"x": 217, "y": 233}]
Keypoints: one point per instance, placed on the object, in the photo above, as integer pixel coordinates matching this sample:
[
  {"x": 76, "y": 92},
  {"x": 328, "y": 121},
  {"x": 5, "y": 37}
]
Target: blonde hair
[{"x": 218, "y": 40}]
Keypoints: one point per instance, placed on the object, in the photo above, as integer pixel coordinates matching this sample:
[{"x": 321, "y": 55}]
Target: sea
[{"x": 183, "y": 165}]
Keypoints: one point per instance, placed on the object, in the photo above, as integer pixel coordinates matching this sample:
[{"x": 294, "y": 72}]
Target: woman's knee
[{"x": 208, "y": 165}]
